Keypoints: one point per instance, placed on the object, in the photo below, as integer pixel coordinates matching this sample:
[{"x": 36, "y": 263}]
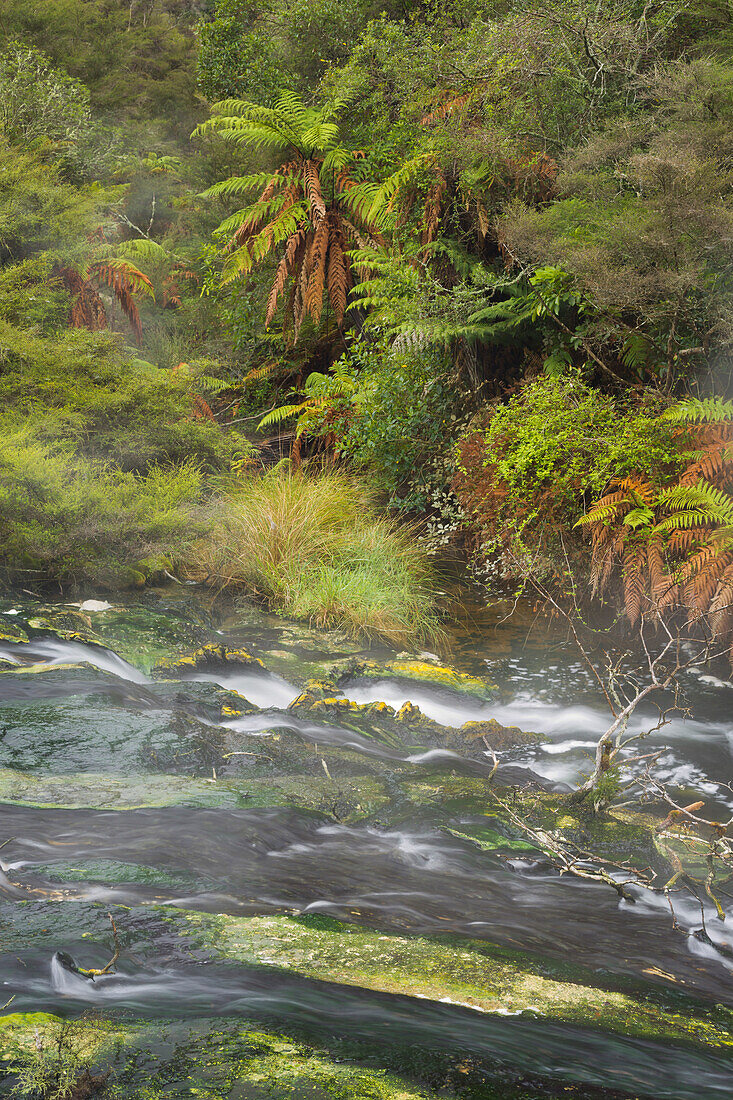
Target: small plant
[{"x": 57, "y": 1060}]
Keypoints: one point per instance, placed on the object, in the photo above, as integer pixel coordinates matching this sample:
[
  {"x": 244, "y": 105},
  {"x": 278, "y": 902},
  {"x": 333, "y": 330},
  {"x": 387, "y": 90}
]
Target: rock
[{"x": 208, "y": 656}]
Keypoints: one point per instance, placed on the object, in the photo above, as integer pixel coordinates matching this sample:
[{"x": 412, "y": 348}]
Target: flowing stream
[{"x": 219, "y": 825}]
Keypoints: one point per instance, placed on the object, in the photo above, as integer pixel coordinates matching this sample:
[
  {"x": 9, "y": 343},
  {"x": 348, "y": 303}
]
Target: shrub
[
  {"x": 313, "y": 547},
  {"x": 63, "y": 518},
  {"x": 85, "y": 387},
  {"x": 37, "y": 100},
  {"x": 527, "y": 476},
  {"x": 389, "y": 411}
]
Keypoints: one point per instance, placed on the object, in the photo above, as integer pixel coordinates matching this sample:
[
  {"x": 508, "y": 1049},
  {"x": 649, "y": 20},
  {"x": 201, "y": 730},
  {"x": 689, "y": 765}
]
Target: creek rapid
[{"x": 156, "y": 797}]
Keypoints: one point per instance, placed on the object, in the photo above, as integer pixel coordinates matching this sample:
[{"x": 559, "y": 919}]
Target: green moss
[
  {"x": 104, "y": 791},
  {"x": 427, "y": 672},
  {"x": 471, "y": 975}
]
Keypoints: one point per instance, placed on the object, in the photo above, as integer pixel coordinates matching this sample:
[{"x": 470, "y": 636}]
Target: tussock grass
[{"x": 315, "y": 548}]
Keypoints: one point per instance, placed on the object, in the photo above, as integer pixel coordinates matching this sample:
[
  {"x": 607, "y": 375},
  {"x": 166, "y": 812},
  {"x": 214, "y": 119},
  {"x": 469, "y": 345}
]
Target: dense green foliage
[
  {"x": 527, "y": 477},
  {"x": 497, "y": 235}
]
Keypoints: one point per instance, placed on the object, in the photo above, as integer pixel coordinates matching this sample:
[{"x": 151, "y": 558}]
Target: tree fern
[{"x": 308, "y": 212}]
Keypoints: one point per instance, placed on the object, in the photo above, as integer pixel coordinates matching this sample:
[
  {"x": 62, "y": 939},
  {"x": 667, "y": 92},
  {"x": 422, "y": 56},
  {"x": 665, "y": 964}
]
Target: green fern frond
[
  {"x": 706, "y": 410},
  {"x": 284, "y": 412},
  {"x": 701, "y": 497},
  {"x": 241, "y": 185},
  {"x": 208, "y": 384},
  {"x": 144, "y": 249},
  {"x": 638, "y": 351}
]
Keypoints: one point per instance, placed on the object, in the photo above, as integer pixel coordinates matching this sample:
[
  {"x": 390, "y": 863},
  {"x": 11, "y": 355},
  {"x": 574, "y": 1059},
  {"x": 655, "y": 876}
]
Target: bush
[
  {"x": 401, "y": 409},
  {"x": 314, "y": 548},
  {"x": 63, "y": 518},
  {"x": 527, "y": 477},
  {"x": 85, "y": 388},
  {"x": 37, "y": 100}
]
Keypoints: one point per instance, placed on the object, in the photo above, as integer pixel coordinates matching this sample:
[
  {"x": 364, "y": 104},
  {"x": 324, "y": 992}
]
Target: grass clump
[{"x": 315, "y": 548}]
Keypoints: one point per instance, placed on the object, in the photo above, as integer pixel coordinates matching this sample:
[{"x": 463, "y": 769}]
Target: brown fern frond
[
  {"x": 705, "y": 560},
  {"x": 638, "y": 486},
  {"x": 701, "y": 575},
  {"x": 484, "y": 221},
  {"x": 683, "y": 539},
  {"x": 312, "y": 187},
  {"x": 345, "y": 181},
  {"x": 264, "y": 371},
  {"x": 122, "y": 274},
  {"x": 129, "y": 308},
  {"x": 602, "y": 566},
  {"x": 278, "y": 285},
  {"x": 87, "y": 308},
  {"x": 202, "y": 409},
  {"x": 289, "y": 311},
  {"x": 670, "y": 597},
  {"x": 658, "y": 578},
  {"x": 452, "y": 102},
  {"x": 716, "y": 460},
  {"x": 126, "y": 282},
  {"x": 721, "y": 607},
  {"x": 634, "y": 560},
  {"x": 433, "y": 208},
  {"x": 317, "y": 278},
  {"x": 338, "y": 279},
  {"x": 287, "y": 266}
]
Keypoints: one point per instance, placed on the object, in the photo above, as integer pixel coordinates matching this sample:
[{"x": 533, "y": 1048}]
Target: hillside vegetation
[{"x": 476, "y": 256}]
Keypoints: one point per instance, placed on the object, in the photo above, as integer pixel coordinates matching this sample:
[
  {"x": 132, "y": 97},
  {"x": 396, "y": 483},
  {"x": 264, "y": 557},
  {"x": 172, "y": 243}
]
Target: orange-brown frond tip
[{"x": 338, "y": 280}]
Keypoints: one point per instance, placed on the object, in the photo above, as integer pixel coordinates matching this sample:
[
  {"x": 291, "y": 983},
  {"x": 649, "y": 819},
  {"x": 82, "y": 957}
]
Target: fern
[
  {"x": 694, "y": 410},
  {"x": 638, "y": 351},
  {"x": 145, "y": 249},
  {"x": 306, "y": 214},
  {"x": 674, "y": 547},
  {"x": 284, "y": 412}
]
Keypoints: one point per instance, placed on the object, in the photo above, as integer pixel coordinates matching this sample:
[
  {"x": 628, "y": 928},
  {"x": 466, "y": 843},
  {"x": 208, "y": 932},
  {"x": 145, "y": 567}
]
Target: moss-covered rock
[
  {"x": 12, "y": 632},
  {"x": 416, "y": 669},
  {"x": 408, "y": 725},
  {"x": 471, "y": 975},
  {"x": 210, "y": 656},
  {"x": 119, "y": 792}
]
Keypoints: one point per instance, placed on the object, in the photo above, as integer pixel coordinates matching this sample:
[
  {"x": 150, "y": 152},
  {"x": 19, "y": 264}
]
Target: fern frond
[
  {"x": 638, "y": 351},
  {"x": 338, "y": 279},
  {"x": 694, "y": 410},
  {"x": 241, "y": 185},
  {"x": 284, "y": 412},
  {"x": 633, "y": 574},
  {"x": 144, "y": 249},
  {"x": 312, "y": 189}
]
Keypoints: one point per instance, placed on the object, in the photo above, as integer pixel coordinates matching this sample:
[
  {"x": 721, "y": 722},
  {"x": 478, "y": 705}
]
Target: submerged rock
[
  {"x": 119, "y": 792},
  {"x": 468, "y": 974}
]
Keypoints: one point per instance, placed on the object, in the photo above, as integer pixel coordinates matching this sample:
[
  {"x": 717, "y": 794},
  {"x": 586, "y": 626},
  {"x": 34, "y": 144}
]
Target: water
[{"x": 125, "y": 792}]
